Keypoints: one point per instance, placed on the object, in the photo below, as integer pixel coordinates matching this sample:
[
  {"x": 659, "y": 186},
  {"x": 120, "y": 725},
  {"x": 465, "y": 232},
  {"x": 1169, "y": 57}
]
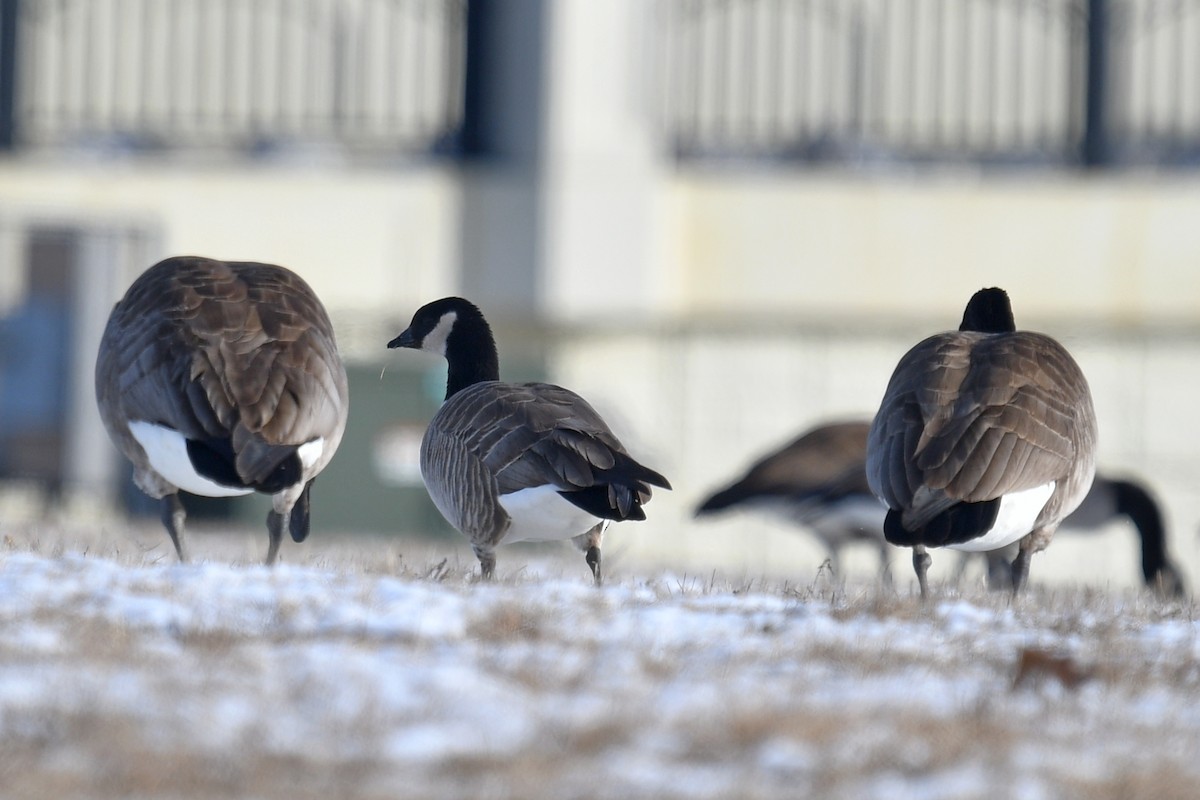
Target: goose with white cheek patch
[
  {"x": 509, "y": 462},
  {"x": 221, "y": 379},
  {"x": 986, "y": 436}
]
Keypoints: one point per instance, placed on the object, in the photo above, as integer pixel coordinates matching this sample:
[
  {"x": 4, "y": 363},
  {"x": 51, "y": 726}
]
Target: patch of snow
[{"x": 656, "y": 687}]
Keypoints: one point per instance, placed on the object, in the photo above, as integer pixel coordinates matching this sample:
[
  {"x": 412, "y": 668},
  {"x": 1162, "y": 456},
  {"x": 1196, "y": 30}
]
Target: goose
[
  {"x": 222, "y": 378},
  {"x": 1112, "y": 499},
  {"x": 986, "y": 436},
  {"x": 819, "y": 481},
  {"x": 507, "y": 462}
]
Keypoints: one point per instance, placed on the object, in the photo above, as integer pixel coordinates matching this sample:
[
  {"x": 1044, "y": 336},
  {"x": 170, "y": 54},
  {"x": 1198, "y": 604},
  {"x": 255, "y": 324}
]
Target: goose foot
[{"x": 173, "y": 517}]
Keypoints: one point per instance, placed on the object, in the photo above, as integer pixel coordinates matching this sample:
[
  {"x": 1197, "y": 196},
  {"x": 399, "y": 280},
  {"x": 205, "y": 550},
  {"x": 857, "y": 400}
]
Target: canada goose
[
  {"x": 1110, "y": 499},
  {"x": 985, "y": 436},
  {"x": 818, "y": 480},
  {"x": 509, "y": 462},
  {"x": 219, "y": 379}
]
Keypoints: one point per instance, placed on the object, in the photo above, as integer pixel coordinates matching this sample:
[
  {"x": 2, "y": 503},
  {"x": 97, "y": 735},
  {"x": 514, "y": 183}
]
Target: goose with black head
[
  {"x": 986, "y": 436},
  {"x": 506, "y": 462}
]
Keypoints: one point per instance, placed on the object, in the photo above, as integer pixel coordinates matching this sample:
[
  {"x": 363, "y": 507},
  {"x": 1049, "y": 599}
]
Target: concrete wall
[
  {"x": 1111, "y": 250},
  {"x": 364, "y": 238}
]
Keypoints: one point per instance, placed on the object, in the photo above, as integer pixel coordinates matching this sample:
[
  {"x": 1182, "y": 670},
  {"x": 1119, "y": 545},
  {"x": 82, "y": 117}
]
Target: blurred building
[{"x": 720, "y": 220}]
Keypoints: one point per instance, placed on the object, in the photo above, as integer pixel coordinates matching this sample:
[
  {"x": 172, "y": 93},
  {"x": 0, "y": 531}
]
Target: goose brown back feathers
[
  {"x": 239, "y": 358},
  {"x": 506, "y": 462},
  {"x": 977, "y": 421},
  {"x": 509, "y": 437},
  {"x": 822, "y": 464},
  {"x": 970, "y": 417}
]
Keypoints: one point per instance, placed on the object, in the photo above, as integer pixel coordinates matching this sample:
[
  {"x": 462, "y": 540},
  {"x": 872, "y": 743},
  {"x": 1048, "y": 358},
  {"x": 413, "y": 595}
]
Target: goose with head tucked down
[
  {"x": 507, "y": 462},
  {"x": 819, "y": 481},
  {"x": 986, "y": 436},
  {"x": 1111, "y": 499},
  {"x": 220, "y": 379}
]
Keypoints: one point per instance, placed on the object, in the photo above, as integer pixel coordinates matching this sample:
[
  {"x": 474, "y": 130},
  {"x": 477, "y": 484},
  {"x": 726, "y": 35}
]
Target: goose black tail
[
  {"x": 960, "y": 523},
  {"x": 619, "y": 492}
]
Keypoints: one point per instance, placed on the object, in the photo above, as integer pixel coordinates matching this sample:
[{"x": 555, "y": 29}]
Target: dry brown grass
[{"x": 766, "y": 721}]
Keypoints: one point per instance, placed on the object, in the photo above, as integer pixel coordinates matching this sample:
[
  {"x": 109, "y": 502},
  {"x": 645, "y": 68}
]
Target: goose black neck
[
  {"x": 1137, "y": 504},
  {"x": 470, "y": 354},
  {"x": 989, "y": 311}
]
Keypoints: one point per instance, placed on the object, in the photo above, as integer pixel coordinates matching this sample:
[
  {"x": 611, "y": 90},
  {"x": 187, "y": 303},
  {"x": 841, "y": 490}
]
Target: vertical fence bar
[
  {"x": 1095, "y": 131},
  {"x": 10, "y": 11}
]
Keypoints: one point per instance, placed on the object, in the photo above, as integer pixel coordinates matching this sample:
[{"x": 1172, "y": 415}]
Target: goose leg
[
  {"x": 921, "y": 562},
  {"x": 593, "y": 560},
  {"x": 960, "y": 569},
  {"x": 275, "y": 525},
  {"x": 834, "y": 560},
  {"x": 885, "y": 566},
  {"x": 1000, "y": 574},
  {"x": 301, "y": 513},
  {"x": 589, "y": 543},
  {"x": 173, "y": 517},
  {"x": 1020, "y": 570},
  {"x": 487, "y": 561}
]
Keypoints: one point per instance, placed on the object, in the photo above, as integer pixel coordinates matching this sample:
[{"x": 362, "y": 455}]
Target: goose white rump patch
[
  {"x": 167, "y": 450},
  {"x": 542, "y": 514},
  {"x": 1018, "y": 512},
  {"x": 310, "y": 452}
]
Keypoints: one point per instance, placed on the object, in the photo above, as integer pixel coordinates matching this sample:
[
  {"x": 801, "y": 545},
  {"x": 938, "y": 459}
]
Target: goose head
[
  {"x": 989, "y": 311},
  {"x": 455, "y": 329}
]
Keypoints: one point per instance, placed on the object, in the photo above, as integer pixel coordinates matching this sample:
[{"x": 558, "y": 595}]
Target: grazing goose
[
  {"x": 508, "y": 462},
  {"x": 986, "y": 436},
  {"x": 819, "y": 480},
  {"x": 1111, "y": 499},
  {"x": 219, "y": 379}
]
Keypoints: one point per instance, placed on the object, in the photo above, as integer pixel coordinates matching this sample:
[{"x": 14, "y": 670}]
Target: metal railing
[
  {"x": 1094, "y": 82},
  {"x": 1011, "y": 81},
  {"x": 376, "y": 75},
  {"x": 1154, "y": 81}
]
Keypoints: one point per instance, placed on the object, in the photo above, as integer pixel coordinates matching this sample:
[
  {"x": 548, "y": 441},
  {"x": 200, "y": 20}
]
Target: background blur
[{"x": 721, "y": 221}]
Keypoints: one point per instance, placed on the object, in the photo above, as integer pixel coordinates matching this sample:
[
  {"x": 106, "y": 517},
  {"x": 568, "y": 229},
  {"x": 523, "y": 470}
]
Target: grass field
[{"x": 373, "y": 669}]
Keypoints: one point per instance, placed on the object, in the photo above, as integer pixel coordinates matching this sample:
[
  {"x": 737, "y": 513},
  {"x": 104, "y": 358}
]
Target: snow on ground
[{"x": 155, "y": 680}]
